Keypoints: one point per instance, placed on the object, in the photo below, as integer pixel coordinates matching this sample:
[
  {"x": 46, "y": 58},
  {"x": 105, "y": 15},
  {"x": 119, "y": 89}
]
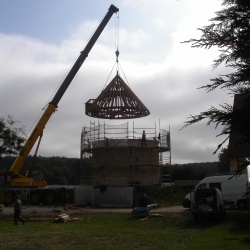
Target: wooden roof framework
[{"x": 116, "y": 101}]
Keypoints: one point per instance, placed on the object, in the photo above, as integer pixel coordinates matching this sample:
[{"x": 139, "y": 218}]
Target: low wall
[{"x": 102, "y": 196}]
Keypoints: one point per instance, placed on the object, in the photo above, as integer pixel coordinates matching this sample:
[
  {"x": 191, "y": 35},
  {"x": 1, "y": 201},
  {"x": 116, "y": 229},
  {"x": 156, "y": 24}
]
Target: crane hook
[{"x": 117, "y": 54}]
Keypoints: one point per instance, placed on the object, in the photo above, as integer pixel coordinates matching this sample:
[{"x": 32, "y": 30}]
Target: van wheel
[{"x": 242, "y": 204}]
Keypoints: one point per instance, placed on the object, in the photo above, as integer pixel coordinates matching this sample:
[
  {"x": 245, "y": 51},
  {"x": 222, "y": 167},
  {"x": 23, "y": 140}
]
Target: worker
[
  {"x": 143, "y": 139},
  {"x": 17, "y": 210},
  {"x": 143, "y": 201}
]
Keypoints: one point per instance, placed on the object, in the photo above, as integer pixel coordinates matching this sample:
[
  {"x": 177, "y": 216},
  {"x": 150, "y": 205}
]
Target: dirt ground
[{"x": 70, "y": 209}]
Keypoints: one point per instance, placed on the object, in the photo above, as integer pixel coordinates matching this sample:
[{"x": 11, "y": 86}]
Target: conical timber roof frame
[{"x": 116, "y": 101}]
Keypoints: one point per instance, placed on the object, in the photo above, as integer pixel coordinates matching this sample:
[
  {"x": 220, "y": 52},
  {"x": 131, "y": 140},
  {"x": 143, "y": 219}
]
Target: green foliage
[
  {"x": 120, "y": 231},
  {"x": 166, "y": 196},
  {"x": 66, "y": 171},
  {"x": 224, "y": 160},
  {"x": 194, "y": 171},
  {"x": 11, "y": 136},
  {"x": 56, "y": 170},
  {"x": 230, "y": 32}
]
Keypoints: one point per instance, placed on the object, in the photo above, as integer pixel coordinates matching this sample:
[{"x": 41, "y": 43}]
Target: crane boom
[{"x": 19, "y": 180}]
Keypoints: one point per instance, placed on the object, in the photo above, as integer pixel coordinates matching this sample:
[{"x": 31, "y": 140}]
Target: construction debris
[
  {"x": 152, "y": 206},
  {"x": 64, "y": 218}
]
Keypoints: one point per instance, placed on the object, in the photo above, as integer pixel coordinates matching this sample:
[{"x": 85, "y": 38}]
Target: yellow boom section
[
  {"x": 23, "y": 181},
  {"x": 38, "y": 130}
]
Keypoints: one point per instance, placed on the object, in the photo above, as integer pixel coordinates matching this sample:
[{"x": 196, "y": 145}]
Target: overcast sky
[{"x": 40, "y": 40}]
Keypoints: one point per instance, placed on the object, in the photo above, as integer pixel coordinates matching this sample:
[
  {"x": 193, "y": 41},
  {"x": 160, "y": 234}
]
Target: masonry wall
[{"x": 125, "y": 162}]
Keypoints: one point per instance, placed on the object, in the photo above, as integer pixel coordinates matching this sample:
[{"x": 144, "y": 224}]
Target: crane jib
[{"x": 83, "y": 55}]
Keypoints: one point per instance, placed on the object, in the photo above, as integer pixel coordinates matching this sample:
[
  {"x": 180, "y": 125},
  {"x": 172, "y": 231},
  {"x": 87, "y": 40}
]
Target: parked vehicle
[
  {"x": 207, "y": 202},
  {"x": 233, "y": 189}
]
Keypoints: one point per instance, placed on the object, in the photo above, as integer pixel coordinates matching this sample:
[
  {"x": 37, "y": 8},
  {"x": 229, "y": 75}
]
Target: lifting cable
[{"x": 117, "y": 53}]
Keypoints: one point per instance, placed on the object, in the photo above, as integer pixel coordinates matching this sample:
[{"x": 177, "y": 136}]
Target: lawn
[{"x": 120, "y": 231}]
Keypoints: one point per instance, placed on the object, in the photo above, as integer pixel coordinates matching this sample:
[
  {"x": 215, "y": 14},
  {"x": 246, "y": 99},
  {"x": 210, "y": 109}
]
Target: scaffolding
[{"x": 114, "y": 155}]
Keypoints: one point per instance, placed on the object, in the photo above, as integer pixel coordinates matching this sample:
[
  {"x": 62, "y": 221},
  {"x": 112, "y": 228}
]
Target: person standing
[
  {"x": 143, "y": 139},
  {"x": 143, "y": 201},
  {"x": 17, "y": 210}
]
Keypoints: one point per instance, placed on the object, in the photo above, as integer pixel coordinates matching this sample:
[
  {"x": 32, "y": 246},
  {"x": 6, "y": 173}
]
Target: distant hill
[
  {"x": 194, "y": 171},
  {"x": 56, "y": 170},
  {"x": 66, "y": 171}
]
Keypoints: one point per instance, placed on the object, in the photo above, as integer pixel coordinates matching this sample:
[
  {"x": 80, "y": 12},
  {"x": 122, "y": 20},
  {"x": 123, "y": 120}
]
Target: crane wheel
[
  {"x": 8, "y": 198},
  {"x": 49, "y": 198},
  {"x": 35, "y": 198}
]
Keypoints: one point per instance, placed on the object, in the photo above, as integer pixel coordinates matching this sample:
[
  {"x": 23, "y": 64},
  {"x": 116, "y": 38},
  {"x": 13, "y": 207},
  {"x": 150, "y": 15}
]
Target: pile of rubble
[{"x": 61, "y": 218}]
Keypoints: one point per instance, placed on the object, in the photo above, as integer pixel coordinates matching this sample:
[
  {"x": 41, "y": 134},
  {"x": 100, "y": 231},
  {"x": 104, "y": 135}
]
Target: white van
[{"x": 233, "y": 189}]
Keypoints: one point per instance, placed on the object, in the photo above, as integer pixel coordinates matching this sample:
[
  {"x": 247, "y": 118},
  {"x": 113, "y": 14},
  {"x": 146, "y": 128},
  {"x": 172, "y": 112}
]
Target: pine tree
[{"x": 229, "y": 31}]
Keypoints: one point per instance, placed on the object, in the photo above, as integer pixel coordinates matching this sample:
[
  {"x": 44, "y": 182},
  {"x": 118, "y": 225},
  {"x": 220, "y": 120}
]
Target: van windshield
[
  {"x": 215, "y": 185},
  {"x": 202, "y": 185}
]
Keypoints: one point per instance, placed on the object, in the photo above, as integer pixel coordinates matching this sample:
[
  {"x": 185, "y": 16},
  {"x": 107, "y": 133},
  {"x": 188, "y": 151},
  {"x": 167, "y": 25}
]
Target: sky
[{"x": 40, "y": 41}]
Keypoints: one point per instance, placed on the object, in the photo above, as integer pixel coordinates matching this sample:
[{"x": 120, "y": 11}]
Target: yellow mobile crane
[{"x": 18, "y": 180}]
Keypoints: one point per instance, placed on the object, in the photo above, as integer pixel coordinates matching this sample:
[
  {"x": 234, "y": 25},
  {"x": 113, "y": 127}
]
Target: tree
[
  {"x": 11, "y": 136},
  {"x": 10, "y": 143},
  {"x": 230, "y": 32},
  {"x": 224, "y": 161}
]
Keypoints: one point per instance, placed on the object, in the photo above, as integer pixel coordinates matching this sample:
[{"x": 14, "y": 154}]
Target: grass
[
  {"x": 167, "y": 196},
  {"x": 120, "y": 231}
]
